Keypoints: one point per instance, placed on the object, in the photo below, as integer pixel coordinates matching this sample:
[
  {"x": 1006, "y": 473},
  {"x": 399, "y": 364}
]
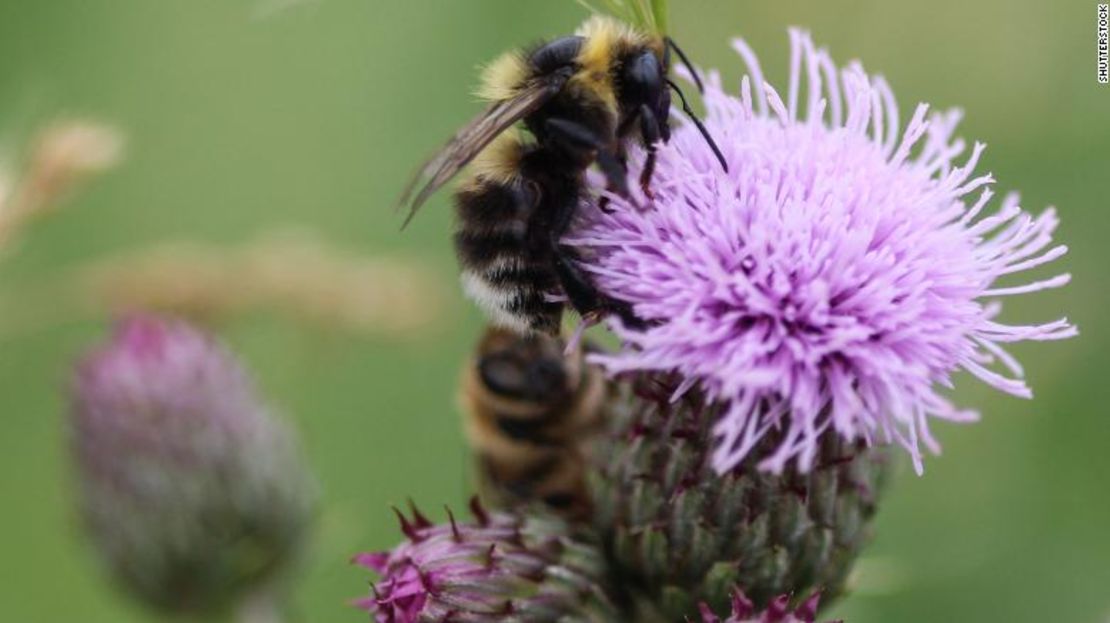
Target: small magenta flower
[
  {"x": 743, "y": 611},
  {"x": 833, "y": 279},
  {"x": 501, "y": 567},
  {"x": 193, "y": 494}
]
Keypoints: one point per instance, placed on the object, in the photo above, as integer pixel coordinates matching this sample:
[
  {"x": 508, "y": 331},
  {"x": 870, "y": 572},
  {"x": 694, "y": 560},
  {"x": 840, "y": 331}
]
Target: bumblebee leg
[
  {"x": 575, "y": 136},
  {"x": 649, "y": 132},
  {"x": 584, "y": 297},
  {"x": 613, "y": 170},
  {"x": 572, "y": 134}
]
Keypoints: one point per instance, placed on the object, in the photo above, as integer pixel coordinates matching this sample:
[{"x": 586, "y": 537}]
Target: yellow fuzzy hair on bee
[
  {"x": 500, "y": 160},
  {"x": 647, "y": 15},
  {"x": 502, "y": 77},
  {"x": 605, "y": 37}
]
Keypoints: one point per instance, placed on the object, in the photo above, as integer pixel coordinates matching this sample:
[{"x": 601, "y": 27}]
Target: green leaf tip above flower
[{"x": 648, "y": 15}]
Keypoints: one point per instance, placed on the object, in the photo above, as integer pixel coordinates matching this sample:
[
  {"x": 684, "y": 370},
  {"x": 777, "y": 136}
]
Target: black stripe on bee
[
  {"x": 532, "y": 303},
  {"x": 524, "y": 485},
  {"x": 539, "y": 477},
  {"x": 490, "y": 204},
  {"x": 478, "y": 249},
  {"x": 532, "y": 431},
  {"x": 520, "y": 274}
]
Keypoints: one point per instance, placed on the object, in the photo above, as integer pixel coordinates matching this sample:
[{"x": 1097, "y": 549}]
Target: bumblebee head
[{"x": 644, "y": 92}]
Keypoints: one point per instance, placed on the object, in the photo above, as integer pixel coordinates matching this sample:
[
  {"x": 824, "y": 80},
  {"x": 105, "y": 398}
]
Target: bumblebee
[
  {"x": 529, "y": 411},
  {"x": 580, "y": 100}
]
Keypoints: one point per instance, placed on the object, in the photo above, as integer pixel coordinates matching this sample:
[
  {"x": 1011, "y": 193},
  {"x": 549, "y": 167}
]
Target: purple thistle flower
[
  {"x": 743, "y": 611},
  {"x": 501, "y": 567},
  {"x": 194, "y": 496},
  {"x": 833, "y": 279}
]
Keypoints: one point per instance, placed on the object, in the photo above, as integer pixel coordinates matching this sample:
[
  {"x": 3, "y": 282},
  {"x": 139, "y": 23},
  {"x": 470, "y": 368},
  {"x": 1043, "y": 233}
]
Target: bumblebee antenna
[
  {"x": 686, "y": 63},
  {"x": 701, "y": 126}
]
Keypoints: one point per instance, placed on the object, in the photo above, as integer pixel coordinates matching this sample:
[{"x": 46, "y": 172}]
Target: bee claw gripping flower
[
  {"x": 833, "y": 279},
  {"x": 193, "y": 494},
  {"x": 499, "y": 568}
]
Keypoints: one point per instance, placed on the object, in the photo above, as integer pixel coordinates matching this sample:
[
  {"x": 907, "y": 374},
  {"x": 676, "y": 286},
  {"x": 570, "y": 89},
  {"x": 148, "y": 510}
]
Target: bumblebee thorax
[{"x": 605, "y": 41}]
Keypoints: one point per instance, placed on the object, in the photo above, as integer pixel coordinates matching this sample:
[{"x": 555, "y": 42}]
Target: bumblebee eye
[{"x": 642, "y": 79}]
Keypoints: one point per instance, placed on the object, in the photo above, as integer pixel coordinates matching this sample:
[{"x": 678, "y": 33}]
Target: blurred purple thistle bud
[{"x": 194, "y": 495}]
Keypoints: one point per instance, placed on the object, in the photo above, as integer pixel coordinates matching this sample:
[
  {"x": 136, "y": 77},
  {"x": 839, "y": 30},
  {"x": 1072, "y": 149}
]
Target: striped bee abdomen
[
  {"x": 530, "y": 411},
  {"x": 505, "y": 260}
]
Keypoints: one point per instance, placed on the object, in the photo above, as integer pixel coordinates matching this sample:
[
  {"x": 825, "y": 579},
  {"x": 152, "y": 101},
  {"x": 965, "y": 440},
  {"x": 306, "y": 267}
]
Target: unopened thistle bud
[
  {"x": 192, "y": 493},
  {"x": 680, "y": 533},
  {"x": 497, "y": 568}
]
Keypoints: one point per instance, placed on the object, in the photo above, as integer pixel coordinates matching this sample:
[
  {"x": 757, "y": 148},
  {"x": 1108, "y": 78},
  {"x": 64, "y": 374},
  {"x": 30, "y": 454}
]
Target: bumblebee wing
[{"x": 475, "y": 136}]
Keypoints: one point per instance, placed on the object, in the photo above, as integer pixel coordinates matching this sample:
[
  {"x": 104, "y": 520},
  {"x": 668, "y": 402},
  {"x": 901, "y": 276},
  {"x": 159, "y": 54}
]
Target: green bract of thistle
[{"x": 648, "y": 15}]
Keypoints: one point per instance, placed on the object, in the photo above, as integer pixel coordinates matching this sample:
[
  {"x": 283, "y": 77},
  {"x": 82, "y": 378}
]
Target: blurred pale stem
[
  {"x": 291, "y": 271},
  {"x": 63, "y": 155}
]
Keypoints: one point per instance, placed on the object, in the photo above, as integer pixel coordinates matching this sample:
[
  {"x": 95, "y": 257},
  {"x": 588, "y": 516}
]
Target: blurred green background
[{"x": 242, "y": 115}]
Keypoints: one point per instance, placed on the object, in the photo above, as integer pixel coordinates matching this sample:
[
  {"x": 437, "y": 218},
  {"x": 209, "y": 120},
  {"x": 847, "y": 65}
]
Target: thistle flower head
[
  {"x": 500, "y": 567},
  {"x": 833, "y": 279},
  {"x": 743, "y": 611},
  {"x": 192, "y": 493}
]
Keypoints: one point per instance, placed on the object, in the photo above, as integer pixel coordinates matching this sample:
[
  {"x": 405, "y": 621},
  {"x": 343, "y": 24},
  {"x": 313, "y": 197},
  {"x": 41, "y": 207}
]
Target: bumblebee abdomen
[
  {"x": 531, "y": 409},
  {"x": 505, "y": 272},
  {"x": 520, "y": 307}
]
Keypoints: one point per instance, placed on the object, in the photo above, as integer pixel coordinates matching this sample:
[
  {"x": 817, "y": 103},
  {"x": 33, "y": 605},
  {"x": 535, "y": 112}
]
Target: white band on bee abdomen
[{"x": 494, "y": 301}]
